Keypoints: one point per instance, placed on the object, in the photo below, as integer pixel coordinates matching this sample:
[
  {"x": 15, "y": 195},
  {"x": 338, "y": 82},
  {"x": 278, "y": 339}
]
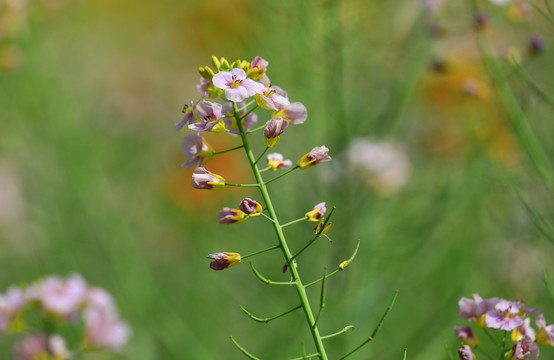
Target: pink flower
[
  {"x": 224, "y": 260},
  {"x": 273, "y": 129},
  {"x": 275, "y": 161},
  {"x": 203, "y": 179},
  {"x": 231, "y": 216},
  {"x": 103, "y": 329},
  {"x": 62, "y": 297},
  {"x": 210, "y": 117},
  {"x": 36, "y": 346},
  {"x": 236, "y": 85},
  {"x": 317, "y": 212},
  {"x": 196, "y": 149},
  {"x": 505, "y": 316},
  {"x": 316, "y": 156},
  {"x": 295, "y": 113},
  {"x": 260, "y": 65},
  {"x": 272, "y": 98},
  {"x": 476, "y": 309},
  {"x": 524, "y": 349}
]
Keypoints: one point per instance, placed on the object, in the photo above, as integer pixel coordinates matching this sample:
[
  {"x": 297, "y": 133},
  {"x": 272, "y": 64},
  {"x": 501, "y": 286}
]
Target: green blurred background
[{"x": 90, "y": 176}]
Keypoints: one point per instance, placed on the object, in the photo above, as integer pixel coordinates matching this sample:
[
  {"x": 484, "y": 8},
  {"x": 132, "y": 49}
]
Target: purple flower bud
[
  {"x": 317, "y": 155},
  {"x": 465, "y": 353},
  {"x": 317, "y": 212},
  {"x": 224, "y": 260},
  {"x": 525, "y": 349},
  {"x": 258, "y": 61},
  {"x": 274, "y": 128},
  {"x": 250, "y": 207},
  {"x": 231, "y": 216},
  {"x": 467, "y": 336},
  {"x": 203, "y": 179}
]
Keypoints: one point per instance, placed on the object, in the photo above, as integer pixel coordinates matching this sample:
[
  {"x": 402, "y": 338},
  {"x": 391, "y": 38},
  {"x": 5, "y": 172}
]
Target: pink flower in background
[
  {"x": 467, "y": 336},
  {"x": 236, "y": 85},
  {"x": 62, "y": 297},
  {"x": 295, "y": 113},
  {"x": 104, "y": 329},
  {"x": 38, "y": 347},
  {"x": 476, "y": 309}
]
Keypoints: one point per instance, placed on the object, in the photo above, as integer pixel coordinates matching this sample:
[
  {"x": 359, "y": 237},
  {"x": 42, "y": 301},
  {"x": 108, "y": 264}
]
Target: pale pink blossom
[
  {"x": 236, "y": 85},
  {"x": 104, "y": 329},
  {"x": 62, "y": 297}
]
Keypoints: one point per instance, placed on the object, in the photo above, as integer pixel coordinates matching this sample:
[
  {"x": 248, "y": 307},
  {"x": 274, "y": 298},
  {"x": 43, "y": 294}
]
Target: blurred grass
[{"x": 87, "y": 132}]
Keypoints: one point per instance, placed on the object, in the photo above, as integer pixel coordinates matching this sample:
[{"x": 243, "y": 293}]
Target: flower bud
[
  {"x": 274, "y": 128},
  {"x": 231, "y": 216},
  {"x": 275, "y": 161},
  {"x": 316, "y": 213},
  {"x": 465, "y": 353},
  {"x": 224, "y": 260},
  {"x": 203, "y": 179},
  {"x": 250, "y": 207},
  {"x": 467, "y": 336},
  {"x": 317, "y": 155}
]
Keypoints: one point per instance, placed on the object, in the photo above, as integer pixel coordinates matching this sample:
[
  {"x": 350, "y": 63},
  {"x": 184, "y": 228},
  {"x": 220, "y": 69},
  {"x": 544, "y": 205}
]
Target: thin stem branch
[
  {"x": 260, "y": 251},
  {"x": 294, "y": 221},
  {"x": 370, "y": 338},
  {"x": 345, "y": 329},
  {"x": 261, "y": 155},
  {"x": 231, "y": 149},
  {"x": 242, "y": 185},
  {"x": 266, "y": 320},
  {"x": 283, "y": 174},
  {"x": 267, "y": 217},
  {"x": 243, "y": 350},
  {"x": 310, "y": 356},
  {"x": 301, "y": 291},
  {"x": 267, "y": 281},
  {"x": 321, "y": 296},
  {"x": 255, "y": 129}
]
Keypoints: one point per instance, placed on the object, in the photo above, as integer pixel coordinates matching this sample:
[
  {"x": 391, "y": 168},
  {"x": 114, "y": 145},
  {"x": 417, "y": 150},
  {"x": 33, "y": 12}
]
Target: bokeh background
[{"x": 426, "y": 166}]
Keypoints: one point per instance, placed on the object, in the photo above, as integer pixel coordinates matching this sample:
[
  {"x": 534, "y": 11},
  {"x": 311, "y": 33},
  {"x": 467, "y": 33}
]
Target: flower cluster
[
  {"x": 509, "y": 316},
  {"x": 61, "y": 301},
  {"x": 243, "y": 86}
]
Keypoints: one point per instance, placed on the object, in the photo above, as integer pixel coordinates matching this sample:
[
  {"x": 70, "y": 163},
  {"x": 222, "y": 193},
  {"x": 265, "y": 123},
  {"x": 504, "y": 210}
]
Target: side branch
[
  {"x": 266, "y": 320},
  {"x": 370, "y": 338},
  {"x": 339, "y": 332},
  {"x": 342, "y": 266},
  {"x": 267, "y": 281},
  {"x": 243, "y": 350}
]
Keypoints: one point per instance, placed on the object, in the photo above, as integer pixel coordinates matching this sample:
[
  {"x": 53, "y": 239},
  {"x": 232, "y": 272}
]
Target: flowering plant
[
  {"x": 244, "y": 87},
  {"x": 518, "y": 339}
]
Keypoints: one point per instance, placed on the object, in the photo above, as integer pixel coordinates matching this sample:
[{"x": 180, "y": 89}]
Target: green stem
[
  {"x": 255, "y": 129},
  {"x": 260, "y": 252},
  {"x": 294, "y": 222},
  {"x": 304, "y": 303},
  {"x": 338, "y": 332},
  {"x": 266, "y": 320},
  {"x": 283, "y": 174},
  {"x": 242, "y": 185},
  {"x": 262, "y": 154},
  {"x": 248, "y": 112},
  {"x": 243, "y": 350},
  {"x": 231, "y": 149}
]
